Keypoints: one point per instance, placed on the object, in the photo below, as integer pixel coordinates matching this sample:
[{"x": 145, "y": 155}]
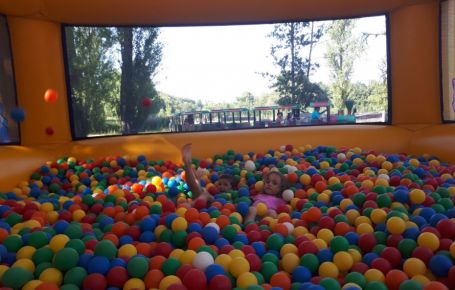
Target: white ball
[
  {"x": 202, "y": 260},
  {"x": 250, "y": 166},
  {"x": 201, "y": 172},
  {"x": 384, "y": 176},
  {"x": 289, "y": 226},
  {"x": 341, "y": 156},
  {"x": 282, "y": 148},
  {"x": 214, "y": 225},
  {"x": 291, "y": 169},
  {"x": 288, "y": 195}
]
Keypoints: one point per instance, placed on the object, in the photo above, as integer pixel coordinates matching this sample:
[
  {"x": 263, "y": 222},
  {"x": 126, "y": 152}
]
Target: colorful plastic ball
[
  {"x": 66, "y": 259},
  {"x": 95, "y": 281},
  {"x": 329, "y": 283},
  {"x": 435, "y": 285},
  {"x": 428, "y": 240},
  {"x": 75, "y": 276},
  {"x": 440, "y": 265},
  {"x": 311, "y": 262},
  {"x": 214, "y": 270},
  {"x": 338, "y": 244},
  {"x": 289, "y": 262},
  {"x": 417, "y": 196},
  {"x": 410, "y": 285},
  {"x": 374, "y": 275},
  {"x": 170, "y": 266},
  {"x": 275, "y": 242},
  {"x": 32, "y": 284},
  {"x": 268, "y": 269},
  {"x": 98, "y": 264},
  {"x": 356, "y": 278},
  {"x": 127, "y": 250},
  {"x": 220, "y": 282},
  {"x": 238, "y": 266},
  {"x": 246, "y": 279},
  {"x": 249, "y": 165},
  {"x": 396, "y": 225},
  {"x": 17, "y": 114},
  {"x": 106, "y": 248},
  {"x": 16, "y": 278},
  {"x": 343, "y": 261},
  {"x": 50, "y": 96},
  {"x": 51, "y": 275},
  {"x": 168, "y": 281},
  {"x": 146, "y": 102},
  {"x": 301, "y": 274},
  {"x": 328, "y": 269},
  {"x": 288, "y": 195},
  {"x": 137, "y": 267},
  {"x": 179, "y": 224},
  {"x": 375, "y": 285},
  {"x": 58, "y": 242},
  {"x": 202, "y": 260},
  {"x": 38, "y": 239}
]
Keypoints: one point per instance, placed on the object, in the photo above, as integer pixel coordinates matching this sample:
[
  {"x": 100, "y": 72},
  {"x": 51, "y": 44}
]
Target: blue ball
[
  {"x": 260, "y": 248},
  {"x": 169, "y": 219},
  {"x": 301, "y": 274},
  {"x": 147, "y": 224},
  {"x": 17, "y": 114},
  {"x": 440, "y": 265},
  {"x": 369, "y": 258},
  {"x": 213, "y": 270},
  {"x": 117, "y": 262},
  {"x": 194, "y": 227},
  {"x": 209, "y": 234},
  {"x": 324, "y": 255},
  {"x": 221, "y": 242},
  {"x": 243, "y": 208},
  {"x": 126, "y": 239},
  {"x": 147, "y": 237},
  {"x": 98, "y": 264},
  {"x": 84, "y": 260},
  {"x": 401, "y": 196}
]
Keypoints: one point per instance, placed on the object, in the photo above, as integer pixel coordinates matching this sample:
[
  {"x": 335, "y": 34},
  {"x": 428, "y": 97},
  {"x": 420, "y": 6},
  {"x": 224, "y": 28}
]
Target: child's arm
[{"x": 191, "y": 179}]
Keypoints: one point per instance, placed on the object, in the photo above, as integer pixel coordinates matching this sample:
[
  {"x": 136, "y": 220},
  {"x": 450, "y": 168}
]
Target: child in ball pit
[
  {"x": 200, "y": 194},
  {"x": 274, "y": 184}
]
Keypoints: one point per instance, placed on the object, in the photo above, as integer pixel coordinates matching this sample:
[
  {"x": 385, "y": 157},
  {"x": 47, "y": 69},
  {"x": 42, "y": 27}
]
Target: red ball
[
  {"x": 382, "y": 265},
  {"x": 95, "y": 282},
  {"x": 50, "y": 96},
  {"x": 181, "y": 272},
  {"x": 307, "y": 247},
  {"x": 326, "y": 222},
  {"x": 254, "y": 236},
  {"x": 446, "y": 228},
  {"x": 220, "y": 282},
  {"x": 163, "y": 249},
  {"x": 422, "y": 253},
  {"x": 146, "y": 102},
  {"x": 392, "y": 255},
  {"x": 394, "y": 240},
  {"x": 117, "y": 277},
  {"x": 177, "y": 287},
  {"x": 195, "y": 279},
  {"x": 254, "y": 261},
  {"x": 247, "y": 249},
  {"x": 360, "y": 267},
  {"x": 49, "y": 131},
  {"x": 367, "y": 242}
]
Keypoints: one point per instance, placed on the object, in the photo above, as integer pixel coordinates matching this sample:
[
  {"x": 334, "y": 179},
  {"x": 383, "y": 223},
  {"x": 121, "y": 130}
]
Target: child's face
[
  {"x": 272, "y": 184},
  {"x": 224, "y": 185}
]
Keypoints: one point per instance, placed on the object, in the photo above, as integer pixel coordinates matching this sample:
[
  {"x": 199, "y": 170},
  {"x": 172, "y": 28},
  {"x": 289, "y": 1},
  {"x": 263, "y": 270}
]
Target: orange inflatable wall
[{"x": 35, "y": 30}]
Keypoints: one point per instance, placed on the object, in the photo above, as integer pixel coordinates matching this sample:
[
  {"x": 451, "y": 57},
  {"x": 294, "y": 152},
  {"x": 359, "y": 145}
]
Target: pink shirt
[{"x": 272, "y": 202}]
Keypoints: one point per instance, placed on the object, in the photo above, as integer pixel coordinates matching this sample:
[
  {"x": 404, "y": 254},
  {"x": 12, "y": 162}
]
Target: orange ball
[
  {"x": 50, "y": 96},
  {"x": 313, "y": 214},
  {"x": 153, "y": 278},
  {"x": 282, "y": 280},
  {"x": 394, "y": 278},
  {"x": 435, "y": 285}
]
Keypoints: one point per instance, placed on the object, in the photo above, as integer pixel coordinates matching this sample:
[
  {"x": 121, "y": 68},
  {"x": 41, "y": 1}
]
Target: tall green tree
[
  {"x": 292, "y": 53},
  {"x": 343, "y": 49},
  {"x": 141, "y": 54},
  {"x": 93, "y": 78},
  {"x": 246, "y": 100}
]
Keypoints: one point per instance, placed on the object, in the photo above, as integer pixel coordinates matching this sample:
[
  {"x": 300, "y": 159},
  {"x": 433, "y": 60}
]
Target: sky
[{"x": 220, "y": 63}]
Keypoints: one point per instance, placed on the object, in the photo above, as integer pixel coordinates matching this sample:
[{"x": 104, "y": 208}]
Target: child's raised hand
[{"x": 186, "y": 154}]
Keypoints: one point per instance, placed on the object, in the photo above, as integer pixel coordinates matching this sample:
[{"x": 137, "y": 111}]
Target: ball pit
[{"x": 354, "y": 220}]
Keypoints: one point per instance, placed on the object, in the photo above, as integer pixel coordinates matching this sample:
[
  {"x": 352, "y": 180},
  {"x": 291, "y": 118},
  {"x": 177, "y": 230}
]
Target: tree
[
  {"x": 293, "y": 80},
  {"x": 343, "y": 49},
  {"x": 94, "y": 81},
  {"x": 141, "y": 54},
  {"x": 246, "y": 101}
]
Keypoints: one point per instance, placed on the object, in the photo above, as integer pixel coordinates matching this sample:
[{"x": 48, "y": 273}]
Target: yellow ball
[
  {"x": 414, "y": 162},
  {"x": 236, "y": 253},
  {"x": 78, "y": 214},
  {"x": 259, "y": 186},
  {"x": 428, "y": 240},
  {"x": 299, "y": 231},
  {"x": 32, "y": 284},
  {"x": 288, "y": 248},
  {"x": 289, "y": 262},
  {"x": 421, "y": 279},
  {"x": 364, "y": 228},
  {"x": 396, "y": 225},
  {"x": 134, "y": 283},
  {"x": 343, "y": 260},
  {"x": 187, "y": 257},
  {"x": 26, "y": 264},
  {"x": 326, "y": 235},
  {"x": 176, "y": 253},
  {"x": 374, "y": 275},
  {"x": 320, "y": 243},
  {"x": 224, "y": 261},
  {"x": 378, "y": 215},
  {"x": 351, "y": 285},
  {"x": 127, "y": 250},
  {"x": 238, "y": 266},
  {"x": 452, "y": 249},
  {"x": 47, "y": 206},
  {"x": 3, "y": 269},
  {"x": 246, "y": 279},
  {"x": 168, "y": 281},
  {"x": 417, "y": 196},
  {"x": 414, "y": 266},
  {"x": 58, "y": 242},
  {"x": 159, "y": 229},
  {"x": 51, "y": 275},
  {"x": 328, "y": 269},
  {"x": 25, "y": 252},
  {"x": 305, "y": 179},
  {"x": 179, "y": 224}
]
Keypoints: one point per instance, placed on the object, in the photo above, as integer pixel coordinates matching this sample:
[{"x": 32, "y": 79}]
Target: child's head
[
  {"x": 274, "y": 183},
  {"x": 224, "y": 183}
]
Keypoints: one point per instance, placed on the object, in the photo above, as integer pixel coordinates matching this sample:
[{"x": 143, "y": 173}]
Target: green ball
[
  {"x": 75, "y": 276},
  {"x": 375, "y": 285},
  {"x": 76, "y": 244},
  {"x": 269, "y": 257},
  {"x": 267, "y": 270},
  {"x": 311, "y": 262},
  {"x": 73, "y": 231},
  {"x": 296, "y": 286},
  {"x": 16, "y": 277},
  {"x": 38, "y": 239},
  {"x": 381, "y": 237},
  {"x": 170, "y": 266},
  {"x": 406, "y": 247},
  {"x": 383, "y": 201},
  {"x": 207, "y": 249},
  {"x": 13, "y": 219},
  {"x": 178, "y": 239},
  {"x": 330, "y": 284},
  {"x": 137, "y": 267},
  {"x": 275, "y": 242},
  {"x": 13, "y": 243},
  {"x": 238, "y": 245},
  {"x": 378, "y": 249},
  {"x": 357, "y": 278},
  {"x": 379, "y": 189},
  {"x": 338, "y": 244},
  {"x": 69, "y": 287},
  {"x": 341, "y": 218},
  {"x": 166, "y": 236},
  {"x": 106, "y": 248},
  {"x": 410, "y": 285},
  {"x": 42, "y": 255},
  {"x": 229, "y": 232},
  {"x": 66, "y": 259},
  {"x": 259, "y": 277},
  {"x": 359, "y": 199}
]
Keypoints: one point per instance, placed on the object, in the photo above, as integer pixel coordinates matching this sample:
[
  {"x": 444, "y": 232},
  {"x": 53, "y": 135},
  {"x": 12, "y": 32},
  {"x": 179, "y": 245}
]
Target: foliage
[{"x": 292, "y": 53}]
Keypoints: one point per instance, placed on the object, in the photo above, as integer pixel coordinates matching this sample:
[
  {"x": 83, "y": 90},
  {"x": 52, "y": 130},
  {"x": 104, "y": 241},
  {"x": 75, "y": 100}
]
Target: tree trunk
[
  {"x": 292, "y": 40},
  {"x": 126, "y": 86},
  {"x": 311, "y": 51}
]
